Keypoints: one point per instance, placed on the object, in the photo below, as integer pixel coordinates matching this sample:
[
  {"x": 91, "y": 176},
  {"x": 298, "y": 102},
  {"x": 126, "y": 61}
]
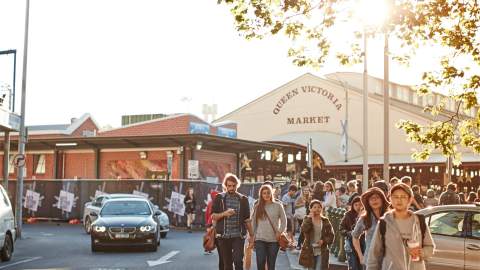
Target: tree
[{"x": 453, "y": 24}]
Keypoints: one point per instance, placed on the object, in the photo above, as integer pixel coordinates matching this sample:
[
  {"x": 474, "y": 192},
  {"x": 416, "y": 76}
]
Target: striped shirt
[{"x": 232, "y": 223}]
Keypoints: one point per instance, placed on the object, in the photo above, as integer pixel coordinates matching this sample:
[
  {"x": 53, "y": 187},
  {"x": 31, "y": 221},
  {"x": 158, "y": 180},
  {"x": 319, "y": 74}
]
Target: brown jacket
[{"x": 306, "y": 258}]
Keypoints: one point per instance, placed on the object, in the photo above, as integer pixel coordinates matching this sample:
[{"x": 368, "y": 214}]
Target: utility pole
[
  {"x": 365, "y": 113},
  {"x": 386, "y": 111},
  {"x": 22, "y": 140}
]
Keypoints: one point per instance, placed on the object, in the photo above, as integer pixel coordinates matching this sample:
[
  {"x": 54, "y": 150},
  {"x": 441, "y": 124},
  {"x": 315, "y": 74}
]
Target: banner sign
[
  {"x": 198, "y": 128},
  {"x": 65, "y": 201},
  {"x": 32, "y": 200},
  {"x": 226, "y": 132},
  {"x": 176, "y": 203}
]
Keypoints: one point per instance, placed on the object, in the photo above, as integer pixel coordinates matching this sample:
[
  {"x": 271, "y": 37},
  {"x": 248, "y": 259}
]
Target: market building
[{"x": 316, "y": 107}]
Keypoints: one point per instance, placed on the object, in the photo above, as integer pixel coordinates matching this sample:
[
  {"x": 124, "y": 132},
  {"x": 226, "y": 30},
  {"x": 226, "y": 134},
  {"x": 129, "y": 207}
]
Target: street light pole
[
  {"x": 386, "y": 119},
  {"x": 365, "y": 113},
  {"x": 22, "y": 138}
]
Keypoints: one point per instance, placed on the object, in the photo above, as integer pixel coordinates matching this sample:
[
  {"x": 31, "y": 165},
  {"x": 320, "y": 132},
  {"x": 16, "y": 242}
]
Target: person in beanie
[
  {"x": 401, "y": 240},
  {"x": 346, "y": 228},
  {"x": 375, "y": 205}
]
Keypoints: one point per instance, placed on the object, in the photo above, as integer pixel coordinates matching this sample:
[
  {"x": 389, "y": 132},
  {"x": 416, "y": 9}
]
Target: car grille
[{"x": 122, "y": 229}]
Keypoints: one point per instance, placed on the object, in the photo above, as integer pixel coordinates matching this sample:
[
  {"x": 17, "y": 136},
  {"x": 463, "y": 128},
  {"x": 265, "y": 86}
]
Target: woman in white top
[{"x": 329, "y": 199}]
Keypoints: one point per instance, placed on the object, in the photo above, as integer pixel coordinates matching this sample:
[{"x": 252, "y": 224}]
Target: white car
[{"x": 7, "y": 227}]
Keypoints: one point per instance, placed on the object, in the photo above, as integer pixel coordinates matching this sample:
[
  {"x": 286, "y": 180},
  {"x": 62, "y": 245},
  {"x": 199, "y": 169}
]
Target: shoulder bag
[{"x": 283, "y": 240}]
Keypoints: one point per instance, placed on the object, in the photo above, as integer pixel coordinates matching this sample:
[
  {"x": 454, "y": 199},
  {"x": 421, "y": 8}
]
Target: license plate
[{"x": 121, "y": 235}]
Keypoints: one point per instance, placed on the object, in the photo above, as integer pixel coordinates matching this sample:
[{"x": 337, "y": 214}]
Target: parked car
[
  {"x": 97, "y": 203},
  {"x": 126, "y": 222},
  {"x": 456, "y": 234},
  {"x": 7, "y": 227}
]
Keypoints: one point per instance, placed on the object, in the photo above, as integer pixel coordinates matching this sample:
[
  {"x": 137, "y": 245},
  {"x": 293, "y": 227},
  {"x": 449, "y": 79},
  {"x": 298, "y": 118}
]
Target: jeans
[
  {"x": 317, "y": 263},
  {"x": 232, "y": 252},
  {"x": 300, "y": 236},
  {"x": 353, "y": 262},
  {"x": 266, "y": 252},
  {"x": 220, "y": 256}
]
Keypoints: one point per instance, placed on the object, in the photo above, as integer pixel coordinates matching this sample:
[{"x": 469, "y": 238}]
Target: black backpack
[{"x": 383, "y": 229}]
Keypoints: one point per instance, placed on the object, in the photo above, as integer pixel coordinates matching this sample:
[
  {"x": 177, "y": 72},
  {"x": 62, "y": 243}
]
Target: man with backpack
[
  {"x": 449, "y": 196},
  {"x": 402, "y": 240}
]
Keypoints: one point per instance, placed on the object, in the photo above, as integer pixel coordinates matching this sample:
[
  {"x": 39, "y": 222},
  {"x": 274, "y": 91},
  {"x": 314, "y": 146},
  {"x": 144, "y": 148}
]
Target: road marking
[
  {"x": 164, "y": 259},
  {"x": 19, "y": 262}
]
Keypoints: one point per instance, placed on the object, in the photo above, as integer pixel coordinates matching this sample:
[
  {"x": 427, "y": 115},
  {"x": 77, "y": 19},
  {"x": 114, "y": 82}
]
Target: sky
[{"x": 116, "y": 57}]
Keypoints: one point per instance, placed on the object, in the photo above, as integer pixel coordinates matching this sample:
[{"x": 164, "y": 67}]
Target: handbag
[
  {"x": 306, "y": 258},
  {"x": 247, "y": 259},
  {"x": 283, "y": 240},
  {"x": 209, "y": 239}
]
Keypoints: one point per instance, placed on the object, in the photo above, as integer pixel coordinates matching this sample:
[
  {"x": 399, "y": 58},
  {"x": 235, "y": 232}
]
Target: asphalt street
[{"x": 64, "y": 246}]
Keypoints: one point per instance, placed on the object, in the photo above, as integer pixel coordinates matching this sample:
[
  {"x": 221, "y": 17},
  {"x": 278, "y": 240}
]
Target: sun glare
[{"x": 371, "y": 13}]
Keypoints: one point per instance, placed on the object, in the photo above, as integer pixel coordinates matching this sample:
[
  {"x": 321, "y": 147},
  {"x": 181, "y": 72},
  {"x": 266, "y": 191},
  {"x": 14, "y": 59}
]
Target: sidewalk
[{"x": 293, "y": 261}]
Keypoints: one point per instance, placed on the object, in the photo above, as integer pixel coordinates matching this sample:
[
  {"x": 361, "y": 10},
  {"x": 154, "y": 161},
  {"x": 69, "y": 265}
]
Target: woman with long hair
[
  {"x": 268, "y": 222},
  {"x": 375, "y": 205},
  {"x": 190, "y": 206},
  {"x": 318, "y": 236},
  {"x": 330, "y": 200},
  {"x": 346, "y": 228}
]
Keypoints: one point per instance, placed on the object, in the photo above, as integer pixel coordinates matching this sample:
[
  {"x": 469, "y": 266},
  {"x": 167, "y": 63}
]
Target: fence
[{"x": 65, "y": 199}]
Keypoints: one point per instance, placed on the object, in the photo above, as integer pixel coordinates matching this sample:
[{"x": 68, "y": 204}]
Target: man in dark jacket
[
  {"x": 231, "y": 211},
  {"x": 449, "y": 196}
]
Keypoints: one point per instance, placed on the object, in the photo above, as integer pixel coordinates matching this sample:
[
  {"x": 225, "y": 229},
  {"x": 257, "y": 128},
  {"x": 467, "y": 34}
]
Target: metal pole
[
  {"x": 310, "y": 154},
  {"x": 386, "y": 119},
  {"x": 22, "y": 138},
  {"x": 6, "y": 159},
  {"x": 346, "y": 124},
  {"x": 365, "y": 113},
  {"x": 12, "y": 94}
]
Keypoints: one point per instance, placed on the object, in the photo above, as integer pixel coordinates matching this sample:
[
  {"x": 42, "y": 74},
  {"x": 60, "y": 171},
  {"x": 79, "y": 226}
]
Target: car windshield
[{"x": 126, "y": 208}]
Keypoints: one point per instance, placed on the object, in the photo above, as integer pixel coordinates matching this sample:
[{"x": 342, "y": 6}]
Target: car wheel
[
  {"x": 163, "y": 234},
  {"x": 7, "y": 249},
  {"x": 88, "y": 225}
]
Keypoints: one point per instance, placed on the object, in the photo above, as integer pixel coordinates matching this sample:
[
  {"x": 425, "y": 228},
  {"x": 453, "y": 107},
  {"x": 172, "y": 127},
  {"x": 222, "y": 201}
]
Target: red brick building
[{"x": 155, "y": 149}]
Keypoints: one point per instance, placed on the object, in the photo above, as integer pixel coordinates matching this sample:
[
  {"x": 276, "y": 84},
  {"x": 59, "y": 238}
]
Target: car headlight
[
  {"x": 99, "y": 228},
  {"x": 147, "y": 228}
]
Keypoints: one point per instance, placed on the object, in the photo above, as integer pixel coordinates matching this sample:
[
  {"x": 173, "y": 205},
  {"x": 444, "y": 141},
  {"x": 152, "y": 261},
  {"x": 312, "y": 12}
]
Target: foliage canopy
[{"x": 452, "y": 24}]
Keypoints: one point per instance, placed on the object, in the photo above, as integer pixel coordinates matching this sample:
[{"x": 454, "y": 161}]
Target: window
[
  {"x": 39, "y": 164},
  {"x": 476, "y": 225},
  {"x": 11, "y": 168},
  {"x": 447, "y": 223}
]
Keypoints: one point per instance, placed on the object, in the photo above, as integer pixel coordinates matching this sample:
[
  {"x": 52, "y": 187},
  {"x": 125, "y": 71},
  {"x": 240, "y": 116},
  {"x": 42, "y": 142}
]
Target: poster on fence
[
  {"x": 32, "y": 200},
  {"x": 65, "y": 201},
  {"x": 176, "y": 204},
  {"x": 139, "y": 193}
]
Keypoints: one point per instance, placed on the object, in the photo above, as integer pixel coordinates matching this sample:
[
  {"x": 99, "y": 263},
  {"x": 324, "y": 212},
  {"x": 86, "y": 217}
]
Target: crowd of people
[{"x": 390, "y": 206}]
